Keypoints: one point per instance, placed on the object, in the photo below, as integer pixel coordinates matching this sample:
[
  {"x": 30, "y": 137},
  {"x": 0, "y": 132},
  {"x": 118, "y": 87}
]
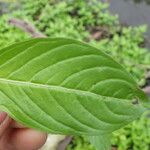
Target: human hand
[{"x": 14, "y": 136}]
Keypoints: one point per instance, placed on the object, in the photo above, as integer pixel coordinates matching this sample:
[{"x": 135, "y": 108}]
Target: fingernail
[{"x": 3, "y": 115}]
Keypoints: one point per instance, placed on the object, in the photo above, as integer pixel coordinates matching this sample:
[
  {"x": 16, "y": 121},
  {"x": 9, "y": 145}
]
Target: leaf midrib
[{"x": 40, "y": 85}]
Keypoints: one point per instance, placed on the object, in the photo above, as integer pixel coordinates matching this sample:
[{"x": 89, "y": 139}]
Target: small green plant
[
  {"x": 73, "y": 87},
  {"x": 9, "y": 34}
]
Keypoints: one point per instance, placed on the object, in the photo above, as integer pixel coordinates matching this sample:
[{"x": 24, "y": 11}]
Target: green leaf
[
  {"x": 67, "y": 87},
  {"x": 101, "y": 142}
]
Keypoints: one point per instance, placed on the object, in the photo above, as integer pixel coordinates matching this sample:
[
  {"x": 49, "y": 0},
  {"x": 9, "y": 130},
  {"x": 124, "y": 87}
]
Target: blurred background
[{"x": 121, "y": 28}]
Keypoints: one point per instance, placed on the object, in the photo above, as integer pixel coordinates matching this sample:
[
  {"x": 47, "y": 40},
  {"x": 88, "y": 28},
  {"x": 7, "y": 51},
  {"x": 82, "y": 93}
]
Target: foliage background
[{"x": 91, "y": 22}]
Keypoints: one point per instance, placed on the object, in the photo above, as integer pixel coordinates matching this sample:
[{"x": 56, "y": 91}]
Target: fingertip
[{"x": 27, "y": 139}]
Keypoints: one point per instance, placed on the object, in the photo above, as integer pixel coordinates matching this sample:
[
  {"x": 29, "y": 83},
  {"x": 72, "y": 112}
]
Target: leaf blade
[{"x": 36, "y": 79}]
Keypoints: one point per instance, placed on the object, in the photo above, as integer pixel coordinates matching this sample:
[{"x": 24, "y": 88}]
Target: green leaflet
[{"x": 67, "y": 87}]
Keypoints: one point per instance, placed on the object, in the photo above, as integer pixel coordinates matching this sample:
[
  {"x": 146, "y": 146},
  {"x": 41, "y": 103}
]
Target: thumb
[{"x": 4, "y": 122}]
